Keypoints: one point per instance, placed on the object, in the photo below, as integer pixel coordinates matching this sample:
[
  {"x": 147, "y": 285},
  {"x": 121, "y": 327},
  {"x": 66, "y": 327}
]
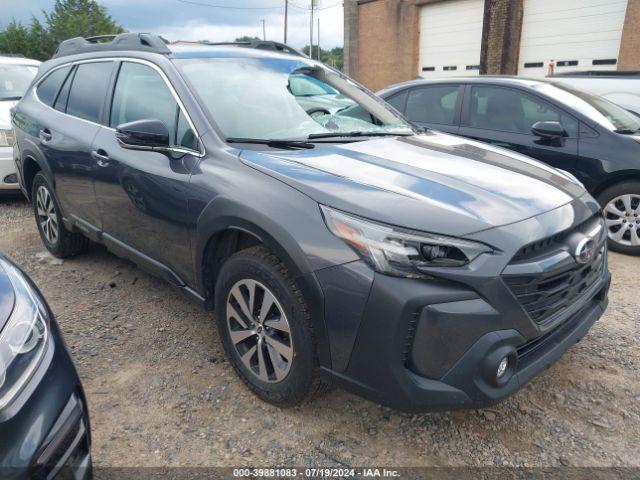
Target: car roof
[
  {"x": 492, "y": 79},
  {"x": 13, "y": 60}
]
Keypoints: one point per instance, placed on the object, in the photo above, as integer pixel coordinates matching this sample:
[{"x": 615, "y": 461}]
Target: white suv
[{"x": 16, "y": 74}]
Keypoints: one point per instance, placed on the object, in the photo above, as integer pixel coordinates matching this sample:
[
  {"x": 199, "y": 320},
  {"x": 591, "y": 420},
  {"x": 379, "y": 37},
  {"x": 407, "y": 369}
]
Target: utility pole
[
  {"x": 319, "y": 49},
  {"x": 264, "y": 30},
  {"x": 313, "y": 4},
  {"x": 286, "y": 15}
]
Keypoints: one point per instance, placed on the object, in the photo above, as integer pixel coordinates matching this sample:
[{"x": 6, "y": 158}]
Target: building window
[
  {"x": 567, "y": 63},
  {"x": 605, "y": 61},
  {"x": 449, "y": 68},
  {"x": 473, "y": 67},
  {"x": 428, "y": 69},
  {"x": 533, "y": 65}
]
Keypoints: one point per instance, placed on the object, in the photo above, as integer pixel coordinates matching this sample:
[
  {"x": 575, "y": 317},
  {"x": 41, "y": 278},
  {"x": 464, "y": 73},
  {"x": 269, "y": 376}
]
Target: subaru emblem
[{"x": 585, "y": 251}]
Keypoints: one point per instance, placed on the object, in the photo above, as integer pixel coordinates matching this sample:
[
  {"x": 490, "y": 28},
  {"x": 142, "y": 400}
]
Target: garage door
[
  {"x": 577, "y": 34},
  {"x": 450, "y": 38}
]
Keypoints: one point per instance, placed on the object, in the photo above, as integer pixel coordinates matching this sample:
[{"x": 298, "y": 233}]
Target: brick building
[{"x": 388, "y": 41}]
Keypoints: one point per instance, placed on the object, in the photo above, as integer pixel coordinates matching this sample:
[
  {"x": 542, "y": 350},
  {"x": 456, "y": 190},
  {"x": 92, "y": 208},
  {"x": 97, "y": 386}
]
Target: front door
[
  {"x": 504, "y": 117},
  {"x": 141, "y": 194}
]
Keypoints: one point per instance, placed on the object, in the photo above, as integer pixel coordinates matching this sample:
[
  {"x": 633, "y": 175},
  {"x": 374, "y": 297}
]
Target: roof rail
[
  {"x": 264, "y": 45},
  {"x": 123, "y": 41}
]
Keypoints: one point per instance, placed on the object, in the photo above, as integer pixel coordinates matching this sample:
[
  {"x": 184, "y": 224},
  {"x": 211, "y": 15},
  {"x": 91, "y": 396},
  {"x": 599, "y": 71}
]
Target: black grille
[
  {"x": 546, "y": 294},
  {"x": 550, "y": 244},
  {"x": 46, "y": 470}
]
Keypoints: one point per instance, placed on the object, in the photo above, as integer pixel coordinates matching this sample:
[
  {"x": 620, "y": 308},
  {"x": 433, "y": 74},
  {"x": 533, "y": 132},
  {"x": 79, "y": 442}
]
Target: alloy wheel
[
  {"x": 47, "y": 218},
  {"x": 622, "y": 217},
  {"x": 259, "y": 330}
]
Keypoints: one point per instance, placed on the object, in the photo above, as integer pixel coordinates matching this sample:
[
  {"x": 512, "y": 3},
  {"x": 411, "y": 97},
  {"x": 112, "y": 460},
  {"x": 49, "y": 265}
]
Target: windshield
[
  {"x": 306, "y": 86},
  {"x": 599, "y": 109},
  {"x": 285, "y": 98},
  {"x": 15, "y": 79}
]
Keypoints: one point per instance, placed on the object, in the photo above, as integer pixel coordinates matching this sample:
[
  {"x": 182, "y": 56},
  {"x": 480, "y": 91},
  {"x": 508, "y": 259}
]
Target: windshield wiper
[
  {"x": 314, "y": 136},
  {"x": 272, "y": 142}
]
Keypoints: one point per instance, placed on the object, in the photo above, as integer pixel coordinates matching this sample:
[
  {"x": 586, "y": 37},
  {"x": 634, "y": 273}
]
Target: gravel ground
[{"x": 161, "y": 393}]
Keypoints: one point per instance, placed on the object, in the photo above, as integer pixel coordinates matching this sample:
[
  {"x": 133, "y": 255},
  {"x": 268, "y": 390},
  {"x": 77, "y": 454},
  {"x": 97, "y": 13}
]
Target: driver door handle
[
  {"x": 45, "y": 135},
  {"x": 101, "y": 157}
]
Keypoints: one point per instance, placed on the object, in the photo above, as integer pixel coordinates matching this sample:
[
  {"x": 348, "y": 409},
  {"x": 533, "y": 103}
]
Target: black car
[
  {"x": 44, "y": 422},
  {"x": 586, "y": 135},
  {"x": 422, "y": 271}
]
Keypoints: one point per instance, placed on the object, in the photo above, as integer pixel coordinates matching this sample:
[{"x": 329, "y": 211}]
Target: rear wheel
[
  {"x": 59, "y": 241},
  {"x": 621, "y": 205},
  {"x": 265, "y": 328}
]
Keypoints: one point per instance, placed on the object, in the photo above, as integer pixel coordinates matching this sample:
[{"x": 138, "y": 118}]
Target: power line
[
  {"x": 300, "y": 7},
  {"x": 202, "y": 4}
]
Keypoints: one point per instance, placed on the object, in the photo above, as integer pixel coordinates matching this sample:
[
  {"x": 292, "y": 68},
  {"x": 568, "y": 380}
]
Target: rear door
[
  {"x": 141, "y": 194},
  {"x": 432, "y": 106},
  {"x": 67, "y": 133},
  {"x": 503, "y": 116}
]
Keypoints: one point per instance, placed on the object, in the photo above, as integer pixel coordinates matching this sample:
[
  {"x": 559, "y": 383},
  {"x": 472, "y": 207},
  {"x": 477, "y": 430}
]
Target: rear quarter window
[{"x": 48, "y": 88}]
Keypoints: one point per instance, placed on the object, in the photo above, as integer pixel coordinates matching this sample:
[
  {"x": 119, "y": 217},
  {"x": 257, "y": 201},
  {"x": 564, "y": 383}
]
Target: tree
[
  {"x": 333, "y": 58},
  {"x": 15, "y": 39},
  {"x": 68, "y": 19},
  {"x": 246, "y": 38}
]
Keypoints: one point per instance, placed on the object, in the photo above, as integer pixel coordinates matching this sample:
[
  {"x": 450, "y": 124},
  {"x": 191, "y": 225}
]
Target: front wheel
[
  {"x": 621, "y": 205},
  {"x": 266, "y": 329}
]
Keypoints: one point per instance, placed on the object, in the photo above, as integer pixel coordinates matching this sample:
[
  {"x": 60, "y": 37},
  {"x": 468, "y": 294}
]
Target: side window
[
  {"x": 398, "y": 101},
  {"x": 63, "y": 96},
  {"x": 88, "y": 90},
  {"x": 435, "y": 104},
  {"x": 507, "y": 110},
  {"x": 141, "y": 93},
  {"x": 48, "y": 88}
]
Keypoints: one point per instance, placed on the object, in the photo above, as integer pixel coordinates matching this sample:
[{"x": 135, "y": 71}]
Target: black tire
[
  {"x": 632, "y": 188},
  {"x": 66, "y": 243},
  {"x": 302, "y": 382}
]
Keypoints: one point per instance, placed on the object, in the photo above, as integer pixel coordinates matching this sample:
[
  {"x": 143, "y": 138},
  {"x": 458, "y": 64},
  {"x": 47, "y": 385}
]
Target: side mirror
[
  {"x": 548, "y": 129},
  {"x": 146, "y": 134}
]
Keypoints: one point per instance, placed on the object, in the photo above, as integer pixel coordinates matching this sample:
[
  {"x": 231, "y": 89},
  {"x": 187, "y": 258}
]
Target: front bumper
[
  {"x": 436, "y": 343},
  {"x": 8, "y": 178},
  {"x": 436, "y": 347},
  {"x": 45, "y": 432}
]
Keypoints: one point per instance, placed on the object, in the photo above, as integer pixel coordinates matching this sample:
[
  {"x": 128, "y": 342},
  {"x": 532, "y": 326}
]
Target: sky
[{"x": 199, "y": 20}]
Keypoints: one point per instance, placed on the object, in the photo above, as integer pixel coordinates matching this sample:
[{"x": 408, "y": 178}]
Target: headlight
[
  {"x": 398, "y": 252},
  {"x": 23, "y": 339},
  {"x": 6, "y": 138}
]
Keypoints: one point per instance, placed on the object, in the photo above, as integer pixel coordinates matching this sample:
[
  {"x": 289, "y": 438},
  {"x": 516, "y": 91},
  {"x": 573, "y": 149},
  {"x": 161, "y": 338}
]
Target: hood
[
  {"x": 431, "y": 182},
  {"x": 7, "y": 298},
  {"x": 5, "y": 113}
]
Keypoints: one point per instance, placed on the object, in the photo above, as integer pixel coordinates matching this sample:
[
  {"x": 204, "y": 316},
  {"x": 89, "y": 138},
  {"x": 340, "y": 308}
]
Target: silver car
[{"x": 16, "y": 74}]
